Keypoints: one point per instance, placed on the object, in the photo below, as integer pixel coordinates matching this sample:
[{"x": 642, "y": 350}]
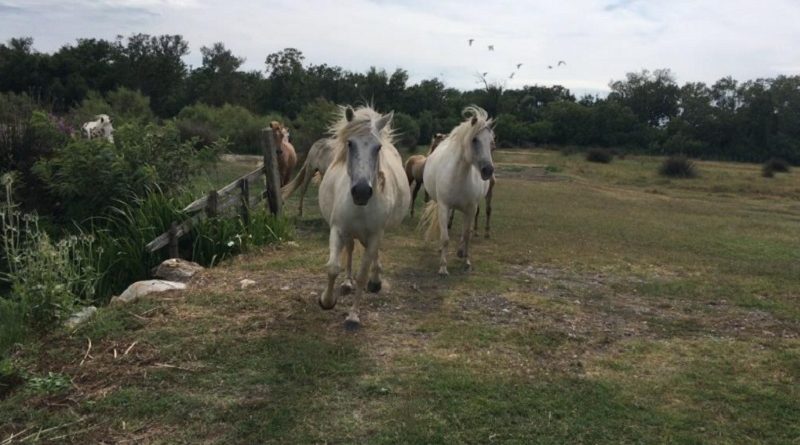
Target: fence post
[
  {"x": 272, "y": 178},
  {"x": 212, "y": 204},
  {"x": 244, "y": 187},
  {"x": 173, "y": 240}
]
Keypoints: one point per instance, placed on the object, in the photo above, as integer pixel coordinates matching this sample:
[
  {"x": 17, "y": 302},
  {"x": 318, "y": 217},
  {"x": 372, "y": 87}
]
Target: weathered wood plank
[
  {"x": 200, "y": 204},
  {"x": 273, "y": 182}
]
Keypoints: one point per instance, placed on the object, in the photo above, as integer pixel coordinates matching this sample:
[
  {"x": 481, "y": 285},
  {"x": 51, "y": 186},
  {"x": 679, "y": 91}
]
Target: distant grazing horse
[
  {"x": 100, "y": 127},
  {"x": 287, "y": 158},
  {"x": 319, "y": 158},
  {"x": 362, "y": 194},
  {"x": 415, "y": 165},
  {"x": 457, "y": 175}
]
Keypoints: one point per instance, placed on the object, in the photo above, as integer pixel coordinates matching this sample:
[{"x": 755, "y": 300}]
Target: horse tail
[
  {"x": 288, "y": 189},
  {"x": 430, "y": 221}
]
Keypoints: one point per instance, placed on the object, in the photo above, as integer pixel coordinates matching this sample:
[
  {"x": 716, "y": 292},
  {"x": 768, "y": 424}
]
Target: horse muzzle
[
  {"x": 361, "y": 193},
  {"x": 487, "y": 171}
]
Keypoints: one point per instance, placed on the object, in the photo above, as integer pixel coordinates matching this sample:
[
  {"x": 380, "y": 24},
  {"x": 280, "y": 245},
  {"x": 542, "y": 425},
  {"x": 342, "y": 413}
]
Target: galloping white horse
[
  {"x": 456, "y": 176},
  {"x": 319, "y": 158},
  {"x": 363, "y": 193},
  {"x": 99, "y": 127}
]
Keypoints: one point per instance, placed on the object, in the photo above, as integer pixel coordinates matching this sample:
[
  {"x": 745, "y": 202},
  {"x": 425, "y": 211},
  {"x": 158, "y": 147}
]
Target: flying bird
[
  {"x": 484, "y": 74},
  {"x": 470, "y": 41},
  {"x": 511, "y": 76},
  {"x": 491, "y": 47},
  {"x": 519, "y": 65},
  {"x": 561, "y": 62},
  {"x": 549, "y": 67}
]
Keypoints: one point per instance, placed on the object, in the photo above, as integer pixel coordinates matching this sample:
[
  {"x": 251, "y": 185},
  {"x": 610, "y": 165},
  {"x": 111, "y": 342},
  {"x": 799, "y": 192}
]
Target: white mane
[{"x": 363, "y": 122}]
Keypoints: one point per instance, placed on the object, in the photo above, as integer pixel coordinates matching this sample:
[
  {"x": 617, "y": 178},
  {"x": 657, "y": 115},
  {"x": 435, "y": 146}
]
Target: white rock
[
  {"x": 80, "y": 317},
  {"x": 246, "y": 283},
  {"x": 176, "y": 269},
  {"x": 293, "y": 244},
  {"x": 147, "y": 287}
]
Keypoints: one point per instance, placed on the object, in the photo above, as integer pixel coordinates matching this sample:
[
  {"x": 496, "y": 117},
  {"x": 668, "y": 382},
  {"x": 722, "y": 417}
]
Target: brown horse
[
  {"x": 415, "y": 165},
  {"x": 287, "y": 157}
]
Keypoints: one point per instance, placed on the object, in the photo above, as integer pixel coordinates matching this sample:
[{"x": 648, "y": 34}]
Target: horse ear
[
  {"x": 384, "y": 120},
  {"x": 349, "y": 113},
  {"x": 474, "y": 120}
]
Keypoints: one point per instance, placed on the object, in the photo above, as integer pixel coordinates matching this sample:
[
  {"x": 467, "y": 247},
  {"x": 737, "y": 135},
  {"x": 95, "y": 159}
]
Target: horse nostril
[
  {"x": 487, "y": 171},
  {"x": 361, "y": 193}
]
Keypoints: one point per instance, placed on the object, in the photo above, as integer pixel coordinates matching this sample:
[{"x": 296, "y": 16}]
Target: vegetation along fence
[{"x": 235, "y": 195}]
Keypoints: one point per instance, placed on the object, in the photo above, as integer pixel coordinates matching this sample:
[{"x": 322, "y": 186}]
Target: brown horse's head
[
  {"x": 436, "y": 140},
  {"x": 277, "y": 136}
]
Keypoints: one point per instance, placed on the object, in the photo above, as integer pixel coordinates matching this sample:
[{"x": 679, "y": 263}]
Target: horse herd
[{"x": 365, "y": 190}]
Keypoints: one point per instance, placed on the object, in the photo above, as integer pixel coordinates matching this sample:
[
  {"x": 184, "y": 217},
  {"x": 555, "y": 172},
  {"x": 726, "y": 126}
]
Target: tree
[{"x": 653, "y": 97}]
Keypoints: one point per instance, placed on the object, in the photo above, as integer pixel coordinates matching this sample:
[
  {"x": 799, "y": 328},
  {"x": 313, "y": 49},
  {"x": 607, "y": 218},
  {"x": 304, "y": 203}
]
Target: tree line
[{"x": 646, "y": 112}]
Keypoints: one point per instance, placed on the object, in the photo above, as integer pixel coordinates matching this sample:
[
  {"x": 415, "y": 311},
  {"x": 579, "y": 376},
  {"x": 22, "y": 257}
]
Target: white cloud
[{"x": 600, "y": 40}]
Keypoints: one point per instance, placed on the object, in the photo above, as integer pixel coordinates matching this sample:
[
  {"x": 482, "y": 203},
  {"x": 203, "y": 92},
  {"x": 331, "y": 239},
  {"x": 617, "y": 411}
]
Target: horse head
[
  {"x": 363, "y": 153},
  {"x": 481, "y": 147}
]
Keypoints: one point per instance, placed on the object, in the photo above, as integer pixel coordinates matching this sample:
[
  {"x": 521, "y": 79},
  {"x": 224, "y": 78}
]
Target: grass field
[{"x": 609, "y": 306}]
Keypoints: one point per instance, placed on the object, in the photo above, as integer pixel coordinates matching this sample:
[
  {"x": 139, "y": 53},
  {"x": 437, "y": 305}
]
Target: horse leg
[
  {"x": 303, "y": 188},
  {"x": 414, "y": 196},
  {"x": 347, "y": 284},
  {"x": 466, "y": 234},
  {"x": 488, "y": 210},
  {"x": 444, "y": 212},
  {"x": 352, "y": 322},
  {"x": 328, "y": 299},
  {"x": 375, "y": 283},
  {"x": 475, "y": 224}
]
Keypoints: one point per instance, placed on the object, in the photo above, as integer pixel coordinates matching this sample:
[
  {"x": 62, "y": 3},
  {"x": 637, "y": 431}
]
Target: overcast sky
[{"x": 599, "y": 40}]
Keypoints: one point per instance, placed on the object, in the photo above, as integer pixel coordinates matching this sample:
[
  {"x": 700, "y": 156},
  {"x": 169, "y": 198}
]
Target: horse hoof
[
  {"x": 346, "y": 287},
  {"x": 322, "y": 305},
  {"x": 373, "y": 286},
  {"x": 443, "y": 272},
  {"x": 352, "y": 323},
  {"x": 468, "y": 268}
]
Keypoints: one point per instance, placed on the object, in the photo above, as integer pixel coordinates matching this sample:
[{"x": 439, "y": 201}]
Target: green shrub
[
  {"x": 88, "y": 176},
  {"x": 406, "y": 130},
  {"x": 599, "y": 155},
  {"x": 677, "y": 167},
  {"x": 232, "y": 122},
  {"x": 312, "y": 123},
  {"x": 767, "y": 171},
  {"x": 47, "y": 278},
  {"x": 777, "y": 165}
]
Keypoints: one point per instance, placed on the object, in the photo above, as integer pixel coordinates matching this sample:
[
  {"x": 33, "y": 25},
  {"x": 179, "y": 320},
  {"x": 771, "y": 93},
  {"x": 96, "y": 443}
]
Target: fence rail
[{"x": 235, "y": 195}]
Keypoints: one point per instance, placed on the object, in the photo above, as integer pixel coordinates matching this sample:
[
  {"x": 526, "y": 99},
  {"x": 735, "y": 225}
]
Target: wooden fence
[{"x": 235, "y": 195}]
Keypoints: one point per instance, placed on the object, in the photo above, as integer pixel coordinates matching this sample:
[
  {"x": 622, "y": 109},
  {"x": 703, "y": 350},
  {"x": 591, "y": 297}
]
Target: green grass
[{"x": 610, "y": 307}]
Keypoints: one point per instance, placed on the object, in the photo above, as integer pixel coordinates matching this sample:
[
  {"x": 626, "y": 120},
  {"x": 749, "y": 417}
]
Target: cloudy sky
[{"x": 600, "y": 40}]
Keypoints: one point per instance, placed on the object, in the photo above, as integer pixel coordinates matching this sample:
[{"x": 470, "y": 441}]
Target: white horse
[
  {"x": 100, "y": 127},
  {"x": 363, "y": 193},
  {"x": 456, "y": 176},
  {"x": 319, "y": 158}
]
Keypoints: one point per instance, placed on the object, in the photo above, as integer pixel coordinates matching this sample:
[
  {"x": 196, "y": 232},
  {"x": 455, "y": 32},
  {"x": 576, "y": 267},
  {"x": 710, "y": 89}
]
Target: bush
[
  {"x": 88, "y": 176},
  {"x": 238, "y": 125},
  {"x": 406, "y": 129},
  {"x": 311, "y": 124},
  {"x": 599, "y": 155},
  {"x": 47, "y": 278},
  {"x": 677, "y": 167},
  {"x": 777, "y": 165},
  {"x": 767, "y": 171}
]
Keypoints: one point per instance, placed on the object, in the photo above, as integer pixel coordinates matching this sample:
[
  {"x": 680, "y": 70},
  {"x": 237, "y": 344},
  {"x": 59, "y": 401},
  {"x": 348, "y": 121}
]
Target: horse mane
[
  {"x": 465, "y": 131},
  {"x": 362, "y": 123}
]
